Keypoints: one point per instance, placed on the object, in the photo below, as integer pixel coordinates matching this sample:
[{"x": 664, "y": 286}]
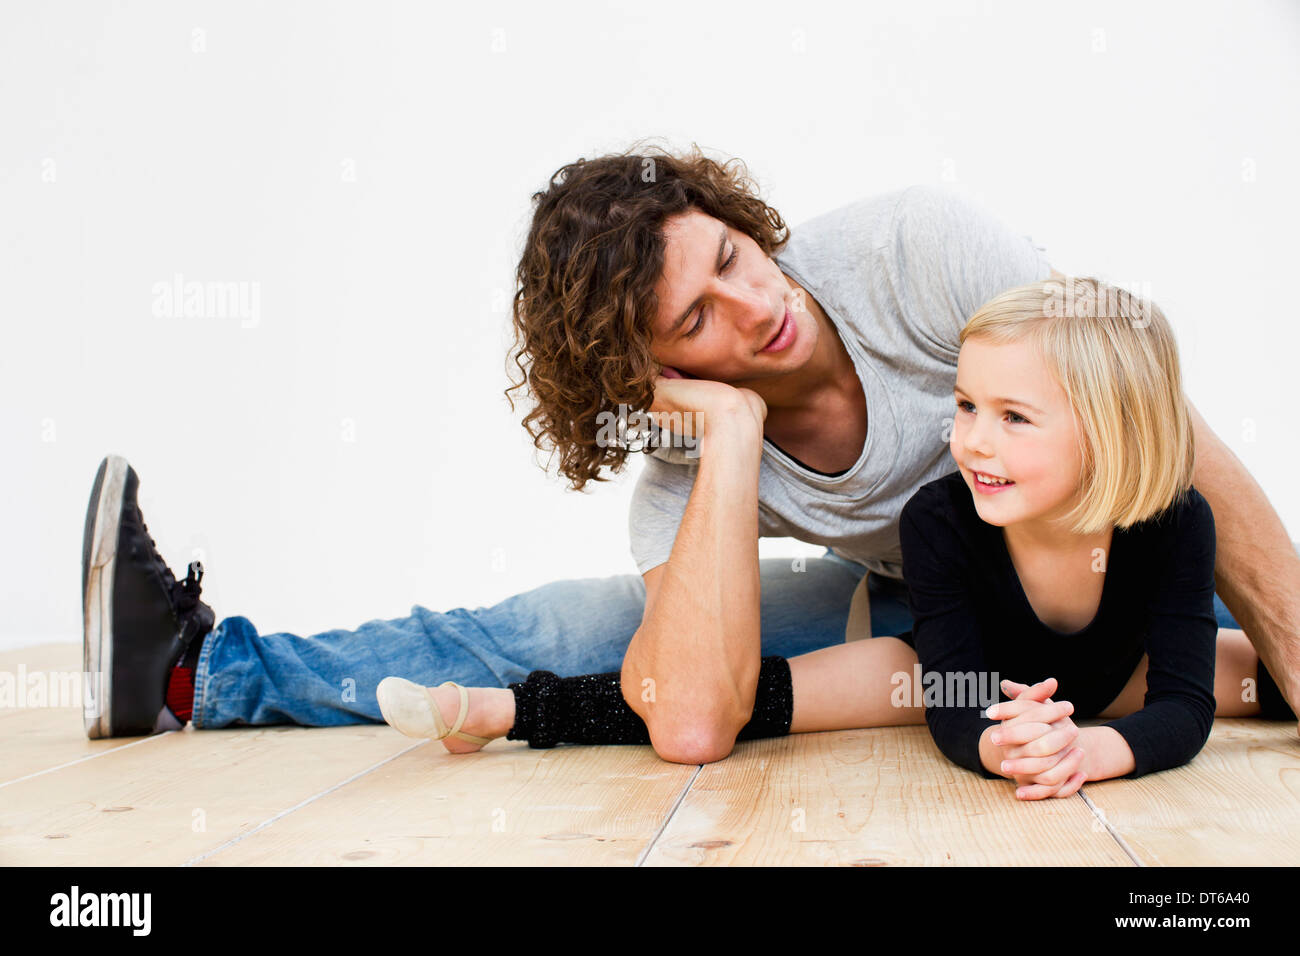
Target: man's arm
[
  {"x": 1257, "y": 570},
  {"x": 691, "y": 669}
]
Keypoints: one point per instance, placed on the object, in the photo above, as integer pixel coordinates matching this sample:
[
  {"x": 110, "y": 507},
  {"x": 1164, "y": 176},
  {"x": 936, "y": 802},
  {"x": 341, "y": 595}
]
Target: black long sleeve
[
  {"x": 971, "y": 615},
  {"x": 1181, "y": 641},
  {"x": 945, "y": 624}
]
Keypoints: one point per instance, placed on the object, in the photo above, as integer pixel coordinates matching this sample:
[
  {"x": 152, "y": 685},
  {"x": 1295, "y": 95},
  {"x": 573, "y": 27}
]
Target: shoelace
[{"x": 186, "y": 593}]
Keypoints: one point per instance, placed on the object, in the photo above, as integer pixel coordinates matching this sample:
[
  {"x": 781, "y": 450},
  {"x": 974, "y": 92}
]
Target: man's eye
[{"x": 735, "y": 252}]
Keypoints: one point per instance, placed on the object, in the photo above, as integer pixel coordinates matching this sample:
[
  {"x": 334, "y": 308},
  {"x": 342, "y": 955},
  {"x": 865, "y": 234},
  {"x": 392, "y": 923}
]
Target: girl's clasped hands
[{"x": 1037, "y": 741}]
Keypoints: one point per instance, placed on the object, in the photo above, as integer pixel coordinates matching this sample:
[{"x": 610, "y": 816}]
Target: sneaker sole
[{"x": 98, "y": 563}]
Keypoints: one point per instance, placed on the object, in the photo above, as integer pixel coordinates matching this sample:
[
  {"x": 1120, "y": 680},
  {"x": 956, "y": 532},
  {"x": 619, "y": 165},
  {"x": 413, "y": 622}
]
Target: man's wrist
[{"x": 731, "y": 430}]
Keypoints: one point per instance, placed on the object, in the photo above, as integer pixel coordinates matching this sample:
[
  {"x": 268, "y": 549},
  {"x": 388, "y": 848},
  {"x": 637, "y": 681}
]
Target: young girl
[{"x": 1068, "y": 553}]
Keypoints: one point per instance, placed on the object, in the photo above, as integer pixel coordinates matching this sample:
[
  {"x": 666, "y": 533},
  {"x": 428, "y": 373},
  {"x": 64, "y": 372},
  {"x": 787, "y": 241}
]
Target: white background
[{"x": 369, "y": 166}]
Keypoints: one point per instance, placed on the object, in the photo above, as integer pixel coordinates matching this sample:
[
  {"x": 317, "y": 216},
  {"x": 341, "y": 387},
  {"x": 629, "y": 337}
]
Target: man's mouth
[{"x": 777, "y": 335}]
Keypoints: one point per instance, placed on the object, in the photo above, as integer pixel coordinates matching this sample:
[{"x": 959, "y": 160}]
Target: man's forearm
[
  {"x": 1256, "y": 569},
  {"x": 692, "y": 666}
]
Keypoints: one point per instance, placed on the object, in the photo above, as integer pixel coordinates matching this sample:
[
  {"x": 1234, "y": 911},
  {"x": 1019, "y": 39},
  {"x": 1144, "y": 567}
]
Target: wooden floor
[{"x": 367, "y": 795}]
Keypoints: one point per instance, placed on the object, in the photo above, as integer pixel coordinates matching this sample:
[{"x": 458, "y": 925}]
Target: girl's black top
[{"x": 971, "y": 617}]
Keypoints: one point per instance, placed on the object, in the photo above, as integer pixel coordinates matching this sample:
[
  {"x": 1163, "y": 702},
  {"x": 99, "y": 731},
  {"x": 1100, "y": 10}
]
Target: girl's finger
[
  {"x": 1040, "y": 791},
  {"x": 1018, "y": 734},
  {"x": 1046, "y": 744},
  {"x": 1029, "y": 767},
  {"x": 1009, "y": 708},
  {"x": 1047, "y": 686},
  {"x": 1047, "y": 713},
  {"x": 1030, "y": 709},
  {"x": 1073, "y": 784},
  {"x": 1051, "y": 768},
  {"x": 1035, "y": 791},
  {"x": 1037, "y": 691},
  {"x": 1068, "y": 764}
]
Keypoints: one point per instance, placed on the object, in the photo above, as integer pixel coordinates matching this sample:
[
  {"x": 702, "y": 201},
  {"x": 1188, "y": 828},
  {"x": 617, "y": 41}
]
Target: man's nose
[{"x": 750, "y": 308}]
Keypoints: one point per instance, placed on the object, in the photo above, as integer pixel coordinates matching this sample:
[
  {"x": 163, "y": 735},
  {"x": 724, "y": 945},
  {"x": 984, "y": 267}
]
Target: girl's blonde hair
[{"x": 1117, "y": 360}]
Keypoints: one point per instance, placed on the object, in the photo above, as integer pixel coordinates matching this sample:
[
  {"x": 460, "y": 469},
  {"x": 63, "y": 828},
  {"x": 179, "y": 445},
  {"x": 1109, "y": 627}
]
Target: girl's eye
[
  {"x": 962, "y": 405},
  {"x": 735, "y": 251}
]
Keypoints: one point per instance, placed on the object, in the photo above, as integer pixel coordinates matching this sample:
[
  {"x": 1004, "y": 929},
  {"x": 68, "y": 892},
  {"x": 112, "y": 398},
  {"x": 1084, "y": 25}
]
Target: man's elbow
[
  {"x": 691, "y": 722},
  {"x": 693, "y": 735},
  {"x": 693, "y": 743}
]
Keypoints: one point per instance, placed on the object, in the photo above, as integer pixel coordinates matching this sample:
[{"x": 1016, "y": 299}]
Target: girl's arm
[
  {"x": 1106, "y": 753},
  {"x": 945, "y": 630},
  {"x": 1178, "y": 711}
]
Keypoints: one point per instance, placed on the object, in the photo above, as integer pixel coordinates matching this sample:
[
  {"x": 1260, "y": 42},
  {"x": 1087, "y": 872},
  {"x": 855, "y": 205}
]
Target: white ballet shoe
[{"x": 410, "y": 708}]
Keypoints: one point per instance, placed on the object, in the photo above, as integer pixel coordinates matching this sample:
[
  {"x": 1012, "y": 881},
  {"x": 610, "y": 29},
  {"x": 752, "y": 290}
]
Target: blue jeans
[{"x": 577, "y": 626}]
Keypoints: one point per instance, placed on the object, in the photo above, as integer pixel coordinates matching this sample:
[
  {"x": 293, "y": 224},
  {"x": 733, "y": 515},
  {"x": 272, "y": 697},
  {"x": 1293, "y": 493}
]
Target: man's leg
[{"x": 577, "y": 626}]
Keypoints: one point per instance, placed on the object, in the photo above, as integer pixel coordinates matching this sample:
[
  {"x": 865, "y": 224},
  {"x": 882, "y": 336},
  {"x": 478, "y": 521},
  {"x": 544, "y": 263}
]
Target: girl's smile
[{"x": 988, "y": 486}]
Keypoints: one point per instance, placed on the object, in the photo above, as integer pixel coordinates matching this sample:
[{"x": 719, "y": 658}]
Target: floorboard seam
[
  {"x": 298, "y": 806},
  {"x": 668, "y": 817},
  {"x": 73, "y": 763},
  {"x": 1115, "y": 834}
]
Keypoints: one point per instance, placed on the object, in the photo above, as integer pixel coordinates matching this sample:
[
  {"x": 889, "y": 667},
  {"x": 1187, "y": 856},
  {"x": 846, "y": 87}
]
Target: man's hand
[
  {"x": 1036, "y": 739},
  {"x": 685, "y": 406}
]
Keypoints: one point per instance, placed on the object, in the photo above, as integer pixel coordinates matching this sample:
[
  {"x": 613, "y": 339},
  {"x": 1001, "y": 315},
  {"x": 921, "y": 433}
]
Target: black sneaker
[{"x": 138, "y": 619}]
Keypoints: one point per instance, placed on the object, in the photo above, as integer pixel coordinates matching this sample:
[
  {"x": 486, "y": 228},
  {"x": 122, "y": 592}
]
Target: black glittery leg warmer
[
  {"x": 1272, "y": 705},
  {"x": 590, "y": 709}
]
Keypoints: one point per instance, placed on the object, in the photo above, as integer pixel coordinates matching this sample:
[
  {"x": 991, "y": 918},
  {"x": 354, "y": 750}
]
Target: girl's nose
[{"x": 976, "y": 439}]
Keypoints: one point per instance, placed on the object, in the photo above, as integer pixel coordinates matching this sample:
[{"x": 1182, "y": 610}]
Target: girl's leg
[
  {"x": 547, "y": 710},
  {"x": 852, "y": 685},
  {"x": 836, "y": 688}
]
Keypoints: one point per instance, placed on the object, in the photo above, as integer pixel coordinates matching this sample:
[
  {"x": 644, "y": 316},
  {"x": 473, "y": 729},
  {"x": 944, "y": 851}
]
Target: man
[{"x": 817, "y": 372}]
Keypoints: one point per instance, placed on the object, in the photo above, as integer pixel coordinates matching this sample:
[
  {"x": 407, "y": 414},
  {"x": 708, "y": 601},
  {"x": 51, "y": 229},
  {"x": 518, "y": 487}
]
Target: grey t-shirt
[{"x": 899, "y": 275}]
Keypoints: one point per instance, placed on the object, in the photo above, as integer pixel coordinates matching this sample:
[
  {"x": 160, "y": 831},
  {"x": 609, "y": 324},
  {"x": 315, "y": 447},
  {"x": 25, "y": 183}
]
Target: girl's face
[{"x": 1013, "y": 420}]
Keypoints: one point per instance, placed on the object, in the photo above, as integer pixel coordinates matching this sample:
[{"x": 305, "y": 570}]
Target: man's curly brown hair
[{"x": 585, "y": 303}]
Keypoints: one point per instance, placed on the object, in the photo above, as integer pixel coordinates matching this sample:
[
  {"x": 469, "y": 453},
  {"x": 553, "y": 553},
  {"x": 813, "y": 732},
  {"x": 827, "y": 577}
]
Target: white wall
[{"x": 368, "y": 166}]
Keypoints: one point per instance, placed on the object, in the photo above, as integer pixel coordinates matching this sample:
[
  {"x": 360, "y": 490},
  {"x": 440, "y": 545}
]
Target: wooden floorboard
[
  {"x": 366, "y": 795},
  {"x": 507, "y": 804},
  {"x": 1236, "y": 804},
  {"x": 37, "y": 736},
  {"x": 880, "y": 797},
  {"x": 180, "y": 794}
]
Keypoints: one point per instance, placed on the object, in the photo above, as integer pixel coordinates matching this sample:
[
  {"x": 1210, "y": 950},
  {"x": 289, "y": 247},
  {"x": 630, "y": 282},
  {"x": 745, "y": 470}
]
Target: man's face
[
  {"x": 1032, "y": 441},
  {"x": 734, "y": 298}
]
